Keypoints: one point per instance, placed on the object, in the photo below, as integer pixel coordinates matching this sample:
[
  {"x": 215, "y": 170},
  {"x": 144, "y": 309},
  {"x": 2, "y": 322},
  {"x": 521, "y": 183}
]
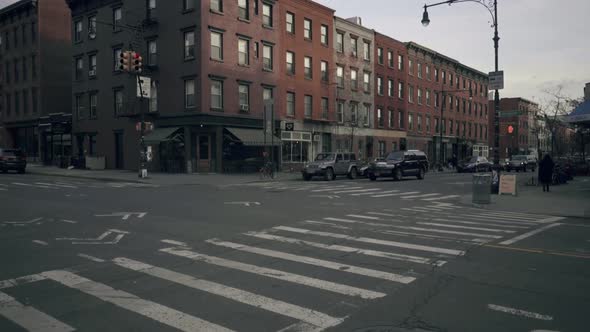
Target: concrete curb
[{"x": 78, "y": 176}]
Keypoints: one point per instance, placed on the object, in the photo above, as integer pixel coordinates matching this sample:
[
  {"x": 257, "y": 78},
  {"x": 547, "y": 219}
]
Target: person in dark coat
[{"x": 546, "y": 172}]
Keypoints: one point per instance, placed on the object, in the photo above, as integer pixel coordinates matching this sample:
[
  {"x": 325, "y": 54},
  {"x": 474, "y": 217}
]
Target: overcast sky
[{"x": 543, "y": 43}]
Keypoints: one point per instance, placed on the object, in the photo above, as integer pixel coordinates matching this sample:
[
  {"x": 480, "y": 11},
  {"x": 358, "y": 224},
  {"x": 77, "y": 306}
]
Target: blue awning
[{"x": 580, "y": 114}]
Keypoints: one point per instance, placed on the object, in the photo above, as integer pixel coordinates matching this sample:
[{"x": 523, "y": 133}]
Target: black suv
[
  {"x": 12, "y": 159},
  {"x": 399, "y": 164}
]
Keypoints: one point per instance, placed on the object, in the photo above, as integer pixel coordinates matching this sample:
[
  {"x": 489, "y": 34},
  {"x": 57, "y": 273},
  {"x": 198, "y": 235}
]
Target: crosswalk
[
  {"x": 309, "y": 275},
  {"x": 354, "y": 189},
  {"x": 69, "y": 185}
]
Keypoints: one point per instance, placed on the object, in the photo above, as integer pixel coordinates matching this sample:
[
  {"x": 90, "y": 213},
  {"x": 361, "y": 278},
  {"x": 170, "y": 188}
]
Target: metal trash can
[{"x": 482, "y": 188}]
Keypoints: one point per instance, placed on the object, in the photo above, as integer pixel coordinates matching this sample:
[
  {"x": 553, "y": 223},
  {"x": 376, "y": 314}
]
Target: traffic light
[
  {"x": 137, "y": 62},
  {"x": 510, "y": 129},
  {"x": 125, "y": 61}
]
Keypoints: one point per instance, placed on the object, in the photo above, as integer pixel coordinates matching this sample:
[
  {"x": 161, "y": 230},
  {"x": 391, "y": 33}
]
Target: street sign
[
  {"x": 508, "y": 184},
  {"x": 496, "y": 80},
  {"x": 146, "y": 85},
  {"x": 289, "y": 126},
  {"x": 508, "y": 114}
]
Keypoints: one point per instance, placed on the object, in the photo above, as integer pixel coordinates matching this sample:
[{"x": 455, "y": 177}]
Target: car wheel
[
  {"x": 306, "y": 177},
  {"x": 329, "y": 176},
  {"x": 372, "y": 177},
  {"x": 352, "y": 174},
  {"x": 397, "y": 174},
  {"x": 420, "y": 175}
]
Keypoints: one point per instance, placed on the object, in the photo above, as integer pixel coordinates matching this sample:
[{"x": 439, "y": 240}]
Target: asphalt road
[{"x": 283, "y": 256}]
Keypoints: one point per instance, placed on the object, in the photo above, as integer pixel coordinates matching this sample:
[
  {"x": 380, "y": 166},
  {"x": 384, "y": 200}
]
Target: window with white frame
[
  {"x": 290, "y": 22},
  {"x": 324, "y": 70},
  {"x": 243, "y": 52},
  {"x": 419, "y": 96},
  {"x": 354, "y": 109},
  {"x": 410, "y": 94},
  {"x": 92, "y": 65},
  {"x": 324, "y": 34},
  {"x": 307, "y": 67},
  {"x": 380, "y": 55},
  {"x": 216, "y": 94},
  {"x": 340, "y": 76},
  {"x": 339, "y": 42},
  {"x": 244, "y": 97},
  {"x": 353, "y": 79},
  {"x": 244, "y": 9},
  {"x": 380, "y": 120},
  {"x": 390, "y": 58},
  {"x": 267, "y": 15},
  {"x": 215, "y": 5},
  {"x": 307, "y": 25},
  {"x": 189, "y": 93},
  {"x": 389, "y": 118},
  {"x": 400, "y": 90},
  {"x": 291, "y": 103},
  {"x": 380, "y": 86},
  {"x": 290, "y": 60},
  {"x": 366, "y": 50},
  {"x": 216, "y": 45},
  {"x": 354, "y": 46},
  {"x": 325, "y": 108},
  {"x": 267, "y": 62},
  {"x": 419, "y": 68},
  {"x": 390, "y": 91},
  {"x": 189, "y": 44},
  {"x": 340, "y": 111},
  {"x": 367, "y": 82},
  {"x": 427, "y": 97},
  {"x": 308, "y": 106}
]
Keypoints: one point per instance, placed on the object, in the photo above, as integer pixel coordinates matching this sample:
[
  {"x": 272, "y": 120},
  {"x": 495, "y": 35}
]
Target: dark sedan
[
  {"x": 519, "y": 163},
  {"x": 12, "y": 159},
  {"x": 474, "y": 164}
]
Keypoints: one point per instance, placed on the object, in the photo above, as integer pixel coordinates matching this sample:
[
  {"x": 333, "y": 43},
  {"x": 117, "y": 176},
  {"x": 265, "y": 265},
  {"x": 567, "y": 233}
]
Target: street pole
[
  {"x": 496, "y": 95},
  {"x": 142, "y": 152},
  {"x": 440, "y": 129}
]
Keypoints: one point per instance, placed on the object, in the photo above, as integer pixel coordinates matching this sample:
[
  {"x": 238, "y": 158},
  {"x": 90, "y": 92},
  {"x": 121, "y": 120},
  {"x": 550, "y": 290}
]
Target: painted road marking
[
  {"x": 397, "y": 194},
  {"x": 21, "y": 281},
  {"x": 435, "y": 230},
  {"x": 332, "y": 188},
  {"x": 28, "y": 317},
  {"x": 362, "y": 217},
  {"x": 530, "y": 218},
  {"x": 335, "y": 247},
  {"x": 420, "y": 196},
  {"x": 499, "y": 219},
  {"x": 149, "y": 309},
  {"x": 376, "y": 193},
  {"x": 552, "y": 219},
  {"x": 382, "y": 214},
  {"x": 314, "y": 261},
  {"x": 92, "y": 258},
  {"x": 349, "y": 221},
  {"x": 539, "y": 251},
  {"x": 43, "y": 243},
  {"x": 493, "y": 230},
  {"x": 56, "y": 185},
  {"x": 440, "y": 198},
  {"x": 519, "y": 312},
  {"x": 356, "y": 191},
  {"x": 276, "y": 274},
  {"x": 525, "y": 235},
  {"x": 374, "y": 241},
  {"x": 430, "y": 236},
  {"x": 69, "y": 221},
  {"x": 310, "y": 316},
  {"x": 479, "y": 223},
  {"x": 176, "y": 243},
  {"x": 416, "y": 209},
  {"x": 329, "y": 224},
  {"x": 31, "y": 185}
]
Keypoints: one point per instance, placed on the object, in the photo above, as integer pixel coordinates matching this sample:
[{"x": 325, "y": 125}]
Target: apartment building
[
  {"x": 35, "y": 85},
  {"x": 519, "y": 131}
]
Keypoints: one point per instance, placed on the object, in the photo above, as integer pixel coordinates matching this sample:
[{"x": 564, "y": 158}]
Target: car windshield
[
  {"x": 399, "y": 155},
  {"x": 324, "y": 157},
  {"x": 518, "y": 157}
]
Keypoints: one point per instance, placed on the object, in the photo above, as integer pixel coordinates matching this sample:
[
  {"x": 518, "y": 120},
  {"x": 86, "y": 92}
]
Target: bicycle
[{"x": 267, "y": 171}]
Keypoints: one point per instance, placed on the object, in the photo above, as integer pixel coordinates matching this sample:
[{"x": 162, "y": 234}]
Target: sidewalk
[
  {"x": 156, "y": 178},
  {"x": 570, "y": 200}
]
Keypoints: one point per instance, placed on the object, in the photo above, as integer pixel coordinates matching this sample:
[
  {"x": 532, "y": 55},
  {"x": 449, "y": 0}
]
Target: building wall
[{"x": 520, "y": 114}]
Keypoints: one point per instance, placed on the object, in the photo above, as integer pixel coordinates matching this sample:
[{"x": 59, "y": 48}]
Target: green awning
[
  {"x": 161, "y": 135},
  {"x": 254, "y": 137}
]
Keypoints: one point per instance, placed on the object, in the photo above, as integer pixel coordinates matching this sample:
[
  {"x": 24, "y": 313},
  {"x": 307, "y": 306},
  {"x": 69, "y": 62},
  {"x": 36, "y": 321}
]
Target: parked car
[
  {"x": 474, "y": 164},
  {"x": 12, "y": 159},
  {"x": 399, "y": 164},
  {"x": 331, "y": 164},
  {"x": 520, "y": 163},
  {"x": 364, "y": 167}
]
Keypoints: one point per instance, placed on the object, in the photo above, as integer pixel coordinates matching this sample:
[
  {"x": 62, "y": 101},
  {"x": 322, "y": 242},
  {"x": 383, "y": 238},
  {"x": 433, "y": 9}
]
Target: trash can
[{"x": 481, "y": 188}]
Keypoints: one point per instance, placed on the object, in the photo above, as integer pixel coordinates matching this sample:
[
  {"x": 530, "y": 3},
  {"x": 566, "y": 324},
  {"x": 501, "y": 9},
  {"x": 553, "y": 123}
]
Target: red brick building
[{"x": 517, "y": 127}]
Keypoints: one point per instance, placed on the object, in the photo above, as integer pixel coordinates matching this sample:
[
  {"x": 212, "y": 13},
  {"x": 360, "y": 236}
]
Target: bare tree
[{"x": 555, "y": 106}]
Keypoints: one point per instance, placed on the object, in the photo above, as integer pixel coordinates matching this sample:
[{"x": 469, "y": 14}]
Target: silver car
[{"x": 331, "y": 164}]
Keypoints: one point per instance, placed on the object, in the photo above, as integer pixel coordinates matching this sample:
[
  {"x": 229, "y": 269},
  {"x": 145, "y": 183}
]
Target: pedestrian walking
[{"x": 546, "y": 172}]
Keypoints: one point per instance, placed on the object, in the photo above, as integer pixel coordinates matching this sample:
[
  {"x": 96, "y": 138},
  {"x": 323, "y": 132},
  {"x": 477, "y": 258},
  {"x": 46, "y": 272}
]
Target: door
[
  {"x": 411, "y": 164},
  {"x": 339, "y": 164},
  {"x": 203, "y": 153},
  {"x": 119, "y": 162}
]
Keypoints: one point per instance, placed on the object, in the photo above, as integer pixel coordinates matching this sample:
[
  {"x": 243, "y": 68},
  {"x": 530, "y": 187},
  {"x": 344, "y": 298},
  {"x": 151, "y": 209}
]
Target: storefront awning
[
  {"x": 581, "y": 115},
  {"x": 161, "y": 135},
  {"x": 254, "y": 137}
]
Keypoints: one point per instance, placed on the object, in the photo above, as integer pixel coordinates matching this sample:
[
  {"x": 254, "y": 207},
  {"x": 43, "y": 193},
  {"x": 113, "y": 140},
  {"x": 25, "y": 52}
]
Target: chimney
[{"x": 356, "y": 20}]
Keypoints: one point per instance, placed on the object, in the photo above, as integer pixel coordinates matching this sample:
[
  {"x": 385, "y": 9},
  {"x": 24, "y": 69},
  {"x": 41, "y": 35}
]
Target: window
[
  {"x": 78, "y": 104},
  {"x": 419, "y": 96},
  {"x": 8, "y": 103},
  {"x": 400, "y": 62},
  {"x": 340, "y": 76},
  {"x": 216, "y": 94},
  {"x": 366, "y": 114},
  {"x": 291, "y": 103},
  {"x": 34, "y": 99},
  {"x": 367, "y": 82},
  {"x": 189, "y": 44},
  {"x": 380, "y": 120},
  {"x": 450, "y": 127},
  {"x": 307, "y": 64},
  {"x": 464, "y": 106},
  {"x": 92, "y": 27},
  {"x": 380, "y": 86},
  {"x": 381, "y": 149},
  {"x": 7, "y": 72},
  {"x": 451, "y": 103},
  {"x": 290, "y": 20},
  {"x": 26, "y": 102},
  {"x": 419, "y": 122},
  {"x": 153, "y": 105},
  {"x": 442, "y": 77},
  {"x": 189, "y": 93},
  {"x": 244, "y": 97},
  {"x": 469, "y": 107},
  {"x": 307, "y": 28},
  {"x": 33, "y": 31},
  {"x": 77, "y": 31},
  {"x": 324, "y": 70},
  {"x": 410, "y": 121},
  {"x": 308, "y": 105},
  {"x": 256, "y": 50},
  {"x": 118, "y": 99},
  {"x": 24, "y": 65},
  {"x": 410, "y": 67},
  {"x": 324, "y": 34},
  {"x": 354, "y": 108},
  {"x": 16, "y": 71},
  {"x": 290, "y": 57},
  {"x": 390, "y": 118},
  {"x": 93, "y": 102},
  {"x": 243, "y": 9},
  {"x": 267, "y": 57},
  {"x": 354, "y": 46},
  {"x": 15, "y": 36},
  {"x": 410, "y": 94},
  {"x": 436, "y": 74},
  {"x": 267, "y": 15},
  {"x": 457, "y": 81},
  {"x": 400, "y": 90},
  {"x": 324, "y": 108},
  {"x": 366, "y": 51},
  {"x": 390, "y": 91},
  {"x": 470, "y": 126},
  {"x": 151, "y": 9},
  {"x": 152, "y": 59},
  {"x": 117, "y": 18},
  {"x": 428, "y": 97},
  {"x": 457, "y": 104},
  {"x": 419, "y": 68},
  {"x": 436, "y": 125},
  {"x": 116, "y": 59},
  {"x": 436, "y": 99},
  {"x": 340, "y": 111},
  {"x": 216, "y": 45},
  {"x": 450, "y": 77},
  {"x": 427, "y": 124},
  {"x": 339, "y": 42},
  {"x": 190, "y": 5},
  {"x": 243, "y": 52},
  {"x": 34, "y": 65},
  {"x": 400, "y": 119},
  {"x": 79, "y": 68},
  {"x": 380, "y": 55},
  {"x": 427, "y": 69},
  {"x": 390, "y": 58},
  {"x": 354, "y": 79},
  {"x": 92, "y": 65}
]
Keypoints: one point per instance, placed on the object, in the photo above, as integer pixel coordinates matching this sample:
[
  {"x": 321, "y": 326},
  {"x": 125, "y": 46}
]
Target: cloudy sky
[{"x": 543, "y": 43}]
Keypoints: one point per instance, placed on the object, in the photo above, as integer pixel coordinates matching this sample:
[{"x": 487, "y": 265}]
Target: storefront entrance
[{"x": 203, "y": 153}]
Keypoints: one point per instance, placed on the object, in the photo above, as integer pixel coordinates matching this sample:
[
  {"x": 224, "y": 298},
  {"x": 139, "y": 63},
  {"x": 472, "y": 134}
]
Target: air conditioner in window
[
  {"x": 92, "y": 72},
  {"x": 316, "y": 137},
  {"x": 244, "y": 108}
]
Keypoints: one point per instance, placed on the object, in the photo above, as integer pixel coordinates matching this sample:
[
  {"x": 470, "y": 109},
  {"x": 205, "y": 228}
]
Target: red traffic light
[
  {"x": 510, "y": 129},
  {"x": 137, "y": 62},
  {"x": 124, "y": 60}
]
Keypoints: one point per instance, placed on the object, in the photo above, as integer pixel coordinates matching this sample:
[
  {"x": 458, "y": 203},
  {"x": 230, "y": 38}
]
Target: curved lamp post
[{"x": 492, "y": 7}]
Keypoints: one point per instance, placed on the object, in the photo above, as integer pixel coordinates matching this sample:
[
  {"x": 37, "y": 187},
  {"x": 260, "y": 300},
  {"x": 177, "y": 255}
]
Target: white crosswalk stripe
[
  {"x": 420, "y": 196},
  {"x": 456, "y": 221},
  {"x": 440, "y": 198},
  {"x": 468, "y": 227},
  {"x": 149, "y": 309},
  {"x": 56, "y": 185},
  {"x": 317, "y": 262},
  {"x": 396, "y": 194},
  {"x": 375, "y": 193},
  {"x": 28, "y": 317},
  {"x": 356, "y": 191}
]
